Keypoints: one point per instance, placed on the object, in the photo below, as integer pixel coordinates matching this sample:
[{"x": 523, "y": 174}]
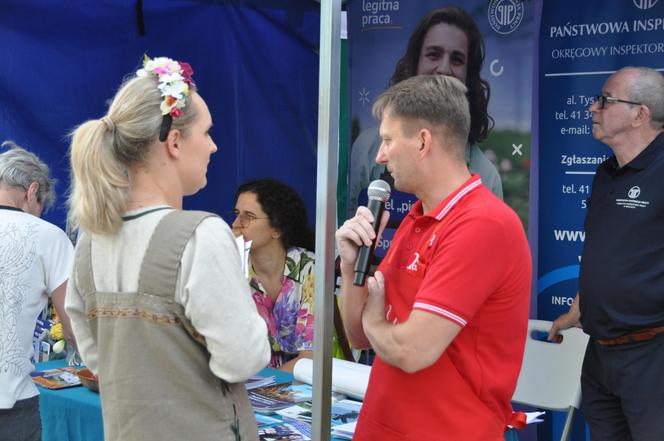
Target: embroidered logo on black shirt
[{"x": 633, "y": 202}]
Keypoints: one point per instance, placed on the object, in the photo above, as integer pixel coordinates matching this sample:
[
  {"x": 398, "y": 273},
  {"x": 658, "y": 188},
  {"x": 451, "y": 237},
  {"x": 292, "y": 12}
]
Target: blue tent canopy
[{"x": 255, "y": 63}]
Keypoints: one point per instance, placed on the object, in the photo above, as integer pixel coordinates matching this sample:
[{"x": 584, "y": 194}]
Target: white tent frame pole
[{"x": 326, "y": 204}]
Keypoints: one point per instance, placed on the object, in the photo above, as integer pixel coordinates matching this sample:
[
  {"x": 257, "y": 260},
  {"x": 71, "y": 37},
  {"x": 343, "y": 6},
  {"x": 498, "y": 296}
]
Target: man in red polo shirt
[{"x": 447, "y": 310}]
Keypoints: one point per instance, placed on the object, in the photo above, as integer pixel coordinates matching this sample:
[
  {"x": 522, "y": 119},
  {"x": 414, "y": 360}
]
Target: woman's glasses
[{"x": 245, "y": 218}]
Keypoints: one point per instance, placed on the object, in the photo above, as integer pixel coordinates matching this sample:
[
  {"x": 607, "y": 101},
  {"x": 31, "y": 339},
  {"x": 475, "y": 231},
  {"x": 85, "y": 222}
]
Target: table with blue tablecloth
[
  {"x": 70, "y": 414},
  {"x": 74, "y": 414}
]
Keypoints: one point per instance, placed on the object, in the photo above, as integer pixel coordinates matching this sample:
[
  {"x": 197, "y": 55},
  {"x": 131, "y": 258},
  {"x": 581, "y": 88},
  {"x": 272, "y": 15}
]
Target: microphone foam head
[{"x": 379, "y": 189}]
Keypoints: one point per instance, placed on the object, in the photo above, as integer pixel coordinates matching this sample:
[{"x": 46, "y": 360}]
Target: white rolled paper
[{"x": 348, "y": 378}]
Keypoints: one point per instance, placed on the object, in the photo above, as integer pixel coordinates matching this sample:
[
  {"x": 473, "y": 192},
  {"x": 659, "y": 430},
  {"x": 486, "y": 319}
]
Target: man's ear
[
  {"x": 425, "y": 139},
  {"x": 31, "y": 193},
  {"x": 642, "y": 116},
  {"x": 31, "y": 202},
  {"x": 172, "y": 143}
]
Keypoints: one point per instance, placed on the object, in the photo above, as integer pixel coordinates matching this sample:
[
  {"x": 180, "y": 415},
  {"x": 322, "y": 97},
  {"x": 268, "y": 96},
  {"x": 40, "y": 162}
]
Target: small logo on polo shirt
[
  {"x": 633, "y": 201},
  {"x": 413, "y": 264}
]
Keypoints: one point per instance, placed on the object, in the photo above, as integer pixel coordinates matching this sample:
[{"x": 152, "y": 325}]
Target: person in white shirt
[{"x": 35, "y": 262}]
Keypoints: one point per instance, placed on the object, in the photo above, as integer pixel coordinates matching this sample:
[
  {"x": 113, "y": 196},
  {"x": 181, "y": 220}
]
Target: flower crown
[{"x": 174, "y": 80}]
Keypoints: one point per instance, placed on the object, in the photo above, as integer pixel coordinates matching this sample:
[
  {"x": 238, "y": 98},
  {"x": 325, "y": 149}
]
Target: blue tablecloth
[
  {"x": 74, "y": 414},
  {"x": 70, "y": 414}
]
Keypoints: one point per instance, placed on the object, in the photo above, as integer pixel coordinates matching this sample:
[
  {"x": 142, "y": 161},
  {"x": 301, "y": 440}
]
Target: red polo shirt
[{"x": 467, "y": 261}]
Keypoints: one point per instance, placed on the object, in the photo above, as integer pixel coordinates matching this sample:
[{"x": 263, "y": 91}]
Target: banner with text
[{"x": 581, "y": 45}]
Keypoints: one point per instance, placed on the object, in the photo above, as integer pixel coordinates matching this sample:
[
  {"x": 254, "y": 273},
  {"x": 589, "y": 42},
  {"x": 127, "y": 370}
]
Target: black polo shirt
[{"x": 621, "y": 283}]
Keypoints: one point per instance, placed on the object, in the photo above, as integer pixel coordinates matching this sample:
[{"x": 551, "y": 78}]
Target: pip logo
[
  {"x": 505, "y": 15},
  {"x": 634, "y": 192},
  {"x": 644, "y": 4}
]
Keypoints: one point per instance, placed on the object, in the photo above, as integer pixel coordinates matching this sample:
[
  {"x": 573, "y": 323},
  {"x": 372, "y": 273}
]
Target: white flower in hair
[
  {"x": 176, "y": 89},
  {"x": 174, "y": 79},
  {"x": 170, "y": 77}
]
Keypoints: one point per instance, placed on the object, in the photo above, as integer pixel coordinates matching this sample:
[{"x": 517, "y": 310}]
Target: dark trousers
[
  {"x": 22, "y": 422},
  {"x": 622, "y": 390}
]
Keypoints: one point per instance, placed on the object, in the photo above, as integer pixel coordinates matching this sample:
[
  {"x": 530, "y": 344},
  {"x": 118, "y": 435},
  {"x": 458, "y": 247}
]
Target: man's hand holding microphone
[
  {"x": 357, "y": 237},
  {"x": 356, "y": 240}
]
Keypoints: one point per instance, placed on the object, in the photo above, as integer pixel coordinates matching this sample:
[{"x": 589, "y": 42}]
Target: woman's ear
[{"x": 172, "y": 143}]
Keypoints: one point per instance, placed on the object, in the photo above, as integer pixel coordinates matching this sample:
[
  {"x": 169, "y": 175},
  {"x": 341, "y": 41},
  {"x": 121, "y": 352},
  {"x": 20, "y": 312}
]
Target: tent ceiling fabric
[{"x": 255, "y": 62}]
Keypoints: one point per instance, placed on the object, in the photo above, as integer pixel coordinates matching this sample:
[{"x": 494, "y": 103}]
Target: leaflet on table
[
  {"x": 264, "y": 420},
  {"x": 344, "y": 431},
  {"x": 348, "y": 378},
  {"x": 57, "y": 378},
  {"x": 299, "y": 412},
  {"x": 293, "y": 431},
  {"x": 342, "y": 411},
  {"x": 259, "y": 381},
  {"x": 269, "y": 399},
  {"x": 345, "y": 411}
]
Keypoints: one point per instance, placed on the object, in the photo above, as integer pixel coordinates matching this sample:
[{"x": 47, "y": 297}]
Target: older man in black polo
[{"x": 620, "y": 303}]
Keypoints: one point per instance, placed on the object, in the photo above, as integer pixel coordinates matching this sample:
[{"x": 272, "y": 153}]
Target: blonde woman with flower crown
[{"x": 157, "y": 299}]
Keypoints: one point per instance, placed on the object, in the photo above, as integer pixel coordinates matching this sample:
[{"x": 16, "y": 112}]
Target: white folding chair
[{"x": 550, "y": 375}]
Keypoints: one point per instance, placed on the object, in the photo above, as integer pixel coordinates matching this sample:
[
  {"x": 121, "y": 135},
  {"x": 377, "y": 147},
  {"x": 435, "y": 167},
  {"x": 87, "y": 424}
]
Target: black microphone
[{"x": 379, "y": 193}]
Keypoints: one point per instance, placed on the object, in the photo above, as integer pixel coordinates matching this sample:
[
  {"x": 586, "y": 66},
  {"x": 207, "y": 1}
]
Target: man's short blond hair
[{"x": 437, "y": 100}]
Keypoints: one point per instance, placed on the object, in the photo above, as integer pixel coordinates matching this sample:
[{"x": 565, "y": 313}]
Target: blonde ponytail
[{"x": 100, "y": 183}]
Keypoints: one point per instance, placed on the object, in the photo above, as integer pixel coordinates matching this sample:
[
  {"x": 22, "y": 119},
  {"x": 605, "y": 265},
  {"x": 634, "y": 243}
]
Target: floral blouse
[{"x": 290, "y": 319}]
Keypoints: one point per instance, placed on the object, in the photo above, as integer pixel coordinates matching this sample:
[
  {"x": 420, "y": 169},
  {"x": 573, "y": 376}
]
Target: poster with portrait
[{"x": 448, "y": 40}]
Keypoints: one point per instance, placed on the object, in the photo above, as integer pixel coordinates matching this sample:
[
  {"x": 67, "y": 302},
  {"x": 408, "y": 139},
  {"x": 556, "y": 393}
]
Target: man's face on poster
[{"x": 444, "y": 51}]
